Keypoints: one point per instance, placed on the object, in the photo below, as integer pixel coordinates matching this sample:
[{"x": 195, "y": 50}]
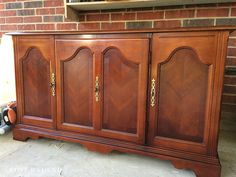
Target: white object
[
  {"x": 4, "y": 129},
  {"x": 7, "y": 76}
]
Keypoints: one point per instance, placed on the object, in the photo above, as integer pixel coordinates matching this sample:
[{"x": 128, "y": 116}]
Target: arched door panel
[{"x": 35, "y": 65}]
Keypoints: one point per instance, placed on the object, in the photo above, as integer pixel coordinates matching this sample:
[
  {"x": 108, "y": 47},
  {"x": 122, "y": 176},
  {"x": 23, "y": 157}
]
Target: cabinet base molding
[{"x": 202, "y": 166}]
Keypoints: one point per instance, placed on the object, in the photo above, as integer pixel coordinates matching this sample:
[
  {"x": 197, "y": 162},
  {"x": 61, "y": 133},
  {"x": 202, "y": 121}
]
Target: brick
[
  {"x": 233, "y": 12},
  {"x": 229, "y": 89},
  {"x": 14, "y": 20},
  {"x": 69, "y": 20},
  {"x": 34, "y": 19},
  {"x": 179, "y": 14},
  {"x": 139, "y": 25},
  {"x": 230, "y": 70},
  {"x": 229, "y": 99},
  {"x": 8, "y": 13},
  {"x": 81, "y": 18},
  {"x": 26, "y": 27},
  {"x": 25, "y": 12},
  {"x": 53, "y": 3},
  {"x": 167, "y": 24},
  {"x": 228, "y": 108},
  {"x": 8, "y": 27},
  {"x": 67, "y": 26},
  {"x": 45, "y": 27},
  {"x": 45, "y": 11},
  {"x": 231, "y": 52},
  {"x": 16, "y": 5},
  {"x": 232, "y": 42},
  {"x": 88, "y": 26},
  {"x": 33, "y": 4},
  {"x": 230, "y": 61},
  {"x": 198, "y": 22},
  {"x": 226, "y": 21},
  {"x": 2, "y": 20},
  {"x": 219, "y": 12},
  {"x": 60, "y": 10},
  {"x": 97, "y": 17},
  {"x": 150, "y": 15},
  {"x": 230, "y": 80},
  {"x": 2, "y": 6},
  {"x": 53, "y": 18},
  {"x": 113, "y": 26},
  {"x": 122, "y": 16}
]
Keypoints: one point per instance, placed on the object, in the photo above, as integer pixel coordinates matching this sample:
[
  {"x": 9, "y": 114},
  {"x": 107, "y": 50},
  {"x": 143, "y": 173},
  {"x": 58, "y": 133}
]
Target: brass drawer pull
[
  {"x": 53, "y": 84},
  {"x": 153, "y": 92},
  {"x": 97, "y": 89}
]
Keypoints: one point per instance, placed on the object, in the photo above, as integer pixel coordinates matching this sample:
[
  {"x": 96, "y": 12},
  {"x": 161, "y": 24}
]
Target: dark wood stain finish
[
  {"x": 120, "y": 92},
  {"x": 34, "y": 62},
  {"x": 186, "y": 65},
  {"x": 183, "y": 79},
  {"x": 77, "y": 84},
  {"x": 36, "y": 79},
  {"x": 111, "y": 61}
]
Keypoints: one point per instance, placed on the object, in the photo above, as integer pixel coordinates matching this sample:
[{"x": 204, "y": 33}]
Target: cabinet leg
[
  {"x": 200, "y": 169},
  {"x": 22, "y": 136}
]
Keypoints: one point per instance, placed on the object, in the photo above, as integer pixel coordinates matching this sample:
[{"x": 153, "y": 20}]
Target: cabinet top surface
[{"x": 218, "y": 28}]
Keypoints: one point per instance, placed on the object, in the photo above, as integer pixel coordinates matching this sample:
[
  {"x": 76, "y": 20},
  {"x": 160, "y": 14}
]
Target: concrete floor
[{"x": 50, "y": 158}]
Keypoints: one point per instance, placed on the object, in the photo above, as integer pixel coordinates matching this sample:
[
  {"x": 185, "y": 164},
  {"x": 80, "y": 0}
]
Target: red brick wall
[{"x": 23, "y": 15}]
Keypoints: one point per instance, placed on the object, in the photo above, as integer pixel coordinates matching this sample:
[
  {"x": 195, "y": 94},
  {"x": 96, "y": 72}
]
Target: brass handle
[
  {"x": 153, "y": 92},
  {"x": 97, "y": 89},
  {"x": 53, "y": 84}
]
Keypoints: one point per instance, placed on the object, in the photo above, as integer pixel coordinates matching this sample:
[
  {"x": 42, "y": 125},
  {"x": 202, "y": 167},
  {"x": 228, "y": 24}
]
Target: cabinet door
[
  {"x": 74, "y": 64},
  {"x": 102, "y": 86},
  {"x": 124, "y": 75},
  {"x": 185, "y": 87},
  {"x": 34, "y": 65}
]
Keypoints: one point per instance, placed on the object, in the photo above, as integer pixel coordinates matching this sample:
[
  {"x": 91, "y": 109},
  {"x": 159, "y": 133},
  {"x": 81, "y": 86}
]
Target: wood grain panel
[
  {"x": 77, "y": 85},
  {"x": 34, "y": 64},
  {"x": 183, "y": 90},
  {"x": 183, "y": 67},
  {"x": 120, "y": 92},
  {"x": 36, "y": 79}
]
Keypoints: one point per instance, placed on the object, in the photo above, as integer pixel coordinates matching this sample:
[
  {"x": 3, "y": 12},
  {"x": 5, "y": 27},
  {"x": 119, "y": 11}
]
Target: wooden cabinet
[
  {"x": 155, "y": 93},
  {"x": 102, "y": 86}
]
